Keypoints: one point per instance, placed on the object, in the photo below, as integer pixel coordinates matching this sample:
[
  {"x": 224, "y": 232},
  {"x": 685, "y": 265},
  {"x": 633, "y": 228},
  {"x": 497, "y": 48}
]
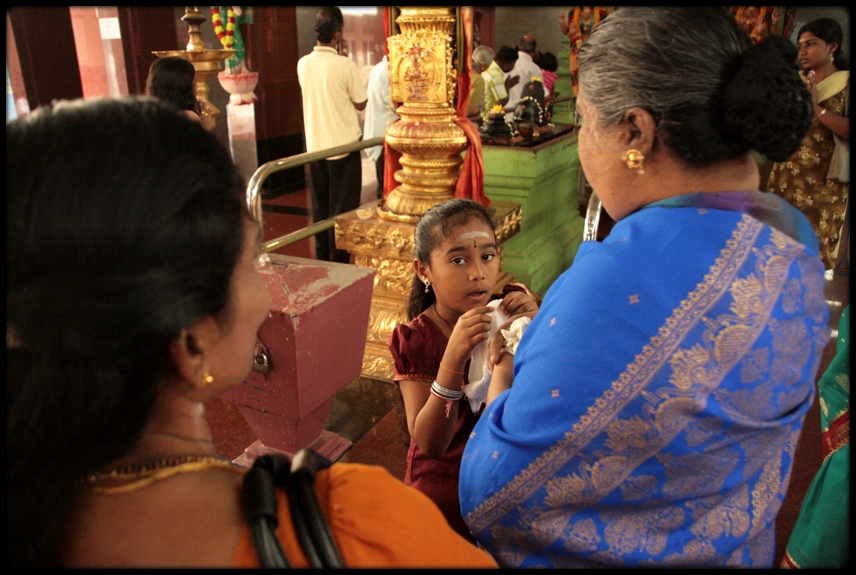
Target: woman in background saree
[
  {"x": 659, "y": 393},
  {"x": 801, "y": 179},
  {"x": 821, "y": 535}
]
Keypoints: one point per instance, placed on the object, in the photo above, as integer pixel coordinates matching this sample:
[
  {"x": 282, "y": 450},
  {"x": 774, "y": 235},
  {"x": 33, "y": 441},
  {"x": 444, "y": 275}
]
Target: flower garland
[{"x": 227, "y": 35}]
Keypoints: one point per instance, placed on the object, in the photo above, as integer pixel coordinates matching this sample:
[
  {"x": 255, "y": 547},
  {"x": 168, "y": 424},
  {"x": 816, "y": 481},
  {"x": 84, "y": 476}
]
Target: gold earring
[
  {"x": 634, "y": 159},
  {"x": 207, "y": 378}
]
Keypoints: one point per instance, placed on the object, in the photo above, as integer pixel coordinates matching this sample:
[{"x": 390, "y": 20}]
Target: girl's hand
[
  {"x": 472, "y": 329},
  {"x": 519, "y": 303},
  {"x": 496, "y": 345},
  {"x": 811, "y": 86},
  {"x": 501, "y": 378}
]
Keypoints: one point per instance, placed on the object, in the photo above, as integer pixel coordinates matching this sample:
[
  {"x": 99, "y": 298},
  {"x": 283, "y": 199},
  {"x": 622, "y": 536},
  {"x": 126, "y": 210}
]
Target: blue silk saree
[{"x": 658, "y": 394}]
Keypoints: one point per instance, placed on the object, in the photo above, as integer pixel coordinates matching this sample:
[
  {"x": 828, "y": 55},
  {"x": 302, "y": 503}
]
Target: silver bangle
[{"x": 446, "y": 393}]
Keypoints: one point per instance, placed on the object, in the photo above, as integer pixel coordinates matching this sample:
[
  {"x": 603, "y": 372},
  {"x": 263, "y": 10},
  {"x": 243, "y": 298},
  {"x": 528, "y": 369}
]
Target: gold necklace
[{"x": 149, "y": 473}]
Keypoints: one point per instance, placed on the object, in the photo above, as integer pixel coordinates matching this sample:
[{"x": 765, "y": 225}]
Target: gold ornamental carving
[
  {"x": 393, "y": 276},
  {"x": 423, "y": 77}
]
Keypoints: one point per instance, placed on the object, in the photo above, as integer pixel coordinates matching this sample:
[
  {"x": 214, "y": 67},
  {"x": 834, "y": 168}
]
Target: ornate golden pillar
[
  {"x": 423, "y": 78},
  {"x": 206, "y": 62}
]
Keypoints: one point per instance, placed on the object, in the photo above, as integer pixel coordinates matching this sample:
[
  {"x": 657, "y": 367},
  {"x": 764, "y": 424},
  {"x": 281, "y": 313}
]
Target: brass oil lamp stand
[{"x": 206, "y": 62}]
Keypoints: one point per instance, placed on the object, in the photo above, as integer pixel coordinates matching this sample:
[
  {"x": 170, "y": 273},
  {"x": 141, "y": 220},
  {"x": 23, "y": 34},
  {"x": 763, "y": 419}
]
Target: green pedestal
[
  {"x": 563, "y": 112},
  {"x": 543, "y": 180}
]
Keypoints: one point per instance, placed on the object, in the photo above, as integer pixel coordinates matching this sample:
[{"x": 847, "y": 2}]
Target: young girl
[{"x": 457, "y": 266}]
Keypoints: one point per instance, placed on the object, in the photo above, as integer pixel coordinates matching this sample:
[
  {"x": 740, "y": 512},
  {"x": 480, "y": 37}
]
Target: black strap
[{"x": 259, "y": 500}]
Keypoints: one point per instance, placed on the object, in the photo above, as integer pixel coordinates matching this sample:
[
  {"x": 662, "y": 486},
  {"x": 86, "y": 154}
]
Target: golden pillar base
[
  {"x": 387, "y": 247},
  {"x": 431, "y": 144}
]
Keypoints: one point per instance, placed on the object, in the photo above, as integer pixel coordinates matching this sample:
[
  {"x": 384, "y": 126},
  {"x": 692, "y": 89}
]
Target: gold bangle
[
  {"x": 451, "y": 370},
  {"x": 822, "y": 112}
]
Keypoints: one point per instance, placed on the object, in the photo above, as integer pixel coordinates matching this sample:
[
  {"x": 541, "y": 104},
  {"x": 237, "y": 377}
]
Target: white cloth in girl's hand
[
  {"x": 479, "y": 374},
  {"x": 514, "y": 333}
]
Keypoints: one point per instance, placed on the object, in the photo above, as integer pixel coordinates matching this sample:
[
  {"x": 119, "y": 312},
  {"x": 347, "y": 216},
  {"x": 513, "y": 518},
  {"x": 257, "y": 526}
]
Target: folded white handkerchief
[
  {"x": 513, "y": 334},
  {"x": 479, "y": 373}
]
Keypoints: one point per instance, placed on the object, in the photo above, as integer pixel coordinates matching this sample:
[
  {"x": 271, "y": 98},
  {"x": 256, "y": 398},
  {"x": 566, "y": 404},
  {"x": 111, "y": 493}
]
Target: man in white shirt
[
  {"x": 498, "y": 80},
  {"x": 333, "y": 92},
  {"x": 525, "y": 68},
  {"x": 380, "y": 113}
]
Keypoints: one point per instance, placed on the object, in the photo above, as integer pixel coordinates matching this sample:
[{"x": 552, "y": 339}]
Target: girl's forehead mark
[{"x": 474, "y": 234}]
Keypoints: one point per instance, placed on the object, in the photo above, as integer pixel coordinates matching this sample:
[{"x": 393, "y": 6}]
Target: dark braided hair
[{"x": 173, "y": 80}]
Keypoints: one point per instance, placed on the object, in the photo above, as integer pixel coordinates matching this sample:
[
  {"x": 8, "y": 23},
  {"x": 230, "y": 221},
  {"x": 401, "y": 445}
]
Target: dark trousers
[
  {"x": 379, "y": 172},
  {"x": 336, "y": 187}
]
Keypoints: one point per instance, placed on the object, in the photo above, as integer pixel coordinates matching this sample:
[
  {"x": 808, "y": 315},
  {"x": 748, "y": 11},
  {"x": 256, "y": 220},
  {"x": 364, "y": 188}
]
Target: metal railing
[
  {"x": 254, "y": 201},
  {"x": 593, "y": 209},
  {"x": 264, "y": 171}
]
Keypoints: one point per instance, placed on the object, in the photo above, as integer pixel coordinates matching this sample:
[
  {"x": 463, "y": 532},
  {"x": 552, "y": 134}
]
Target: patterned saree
[
  {"x": 821, "y": 536},
  {"x": 658, "y": 394}
]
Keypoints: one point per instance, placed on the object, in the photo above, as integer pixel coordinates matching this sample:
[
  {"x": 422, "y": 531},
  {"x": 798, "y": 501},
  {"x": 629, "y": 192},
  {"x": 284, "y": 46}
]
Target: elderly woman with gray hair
[
  {"x": 649, "y": 415},
  {"x": 482, "y": 57}
]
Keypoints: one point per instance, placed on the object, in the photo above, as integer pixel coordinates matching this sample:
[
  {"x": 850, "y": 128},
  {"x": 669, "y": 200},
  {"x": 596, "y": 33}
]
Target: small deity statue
[
  {"x": 579, "y": 23},
  {"x": 496, "y": 129},
  {"x": 531, "y": 113}
]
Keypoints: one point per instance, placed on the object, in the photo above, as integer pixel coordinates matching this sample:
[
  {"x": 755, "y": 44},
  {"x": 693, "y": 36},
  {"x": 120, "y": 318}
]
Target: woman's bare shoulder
[{"x": 186, "y": 520}]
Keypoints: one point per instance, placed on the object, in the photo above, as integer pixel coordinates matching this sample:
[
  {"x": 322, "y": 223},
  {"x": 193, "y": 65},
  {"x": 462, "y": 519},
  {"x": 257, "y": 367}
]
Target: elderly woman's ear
[{"x": 638, "y": 130}]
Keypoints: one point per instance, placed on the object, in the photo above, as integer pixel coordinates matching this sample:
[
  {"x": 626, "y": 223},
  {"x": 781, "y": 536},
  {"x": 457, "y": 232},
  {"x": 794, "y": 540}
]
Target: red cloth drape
[
  {"x": 471, "y": 179},
  {"x": 391, "y": 158}
]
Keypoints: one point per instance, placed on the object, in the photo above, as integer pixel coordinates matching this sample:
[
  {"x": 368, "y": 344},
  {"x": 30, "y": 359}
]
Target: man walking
[{"x": 332, "y": 94}]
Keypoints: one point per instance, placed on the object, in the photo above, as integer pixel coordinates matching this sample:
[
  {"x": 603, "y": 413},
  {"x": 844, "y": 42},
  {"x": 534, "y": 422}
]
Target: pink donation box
[{"x": 309, "y": 348}]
